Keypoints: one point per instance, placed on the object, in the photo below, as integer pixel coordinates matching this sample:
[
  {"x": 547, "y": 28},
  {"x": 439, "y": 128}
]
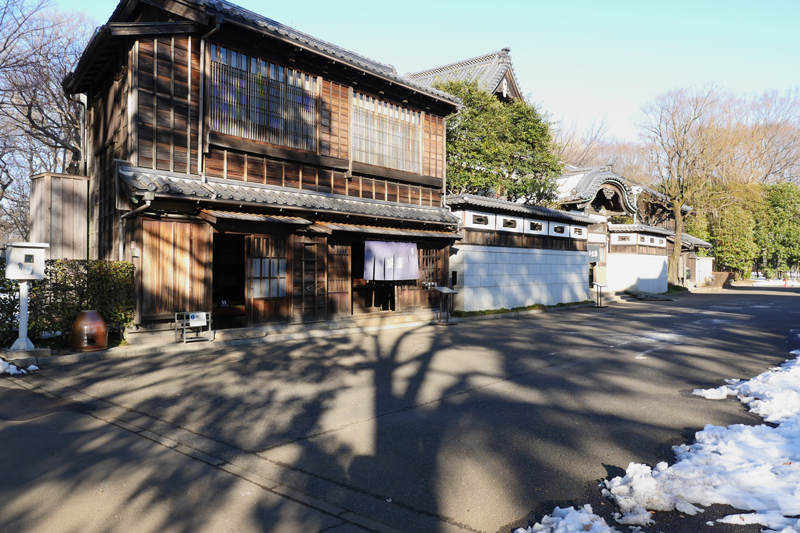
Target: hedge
[{"x": 71, "y": 286}]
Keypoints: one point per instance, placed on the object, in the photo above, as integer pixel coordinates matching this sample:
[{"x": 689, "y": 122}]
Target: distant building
[{"x": 492, "y": 72}]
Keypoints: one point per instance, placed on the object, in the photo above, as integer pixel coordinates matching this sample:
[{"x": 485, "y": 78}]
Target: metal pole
[{"x": 23, "y": 343}]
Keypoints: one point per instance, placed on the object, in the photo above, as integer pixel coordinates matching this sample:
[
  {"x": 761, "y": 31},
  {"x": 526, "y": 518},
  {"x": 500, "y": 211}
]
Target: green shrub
[{"x": 71, "y": 286}]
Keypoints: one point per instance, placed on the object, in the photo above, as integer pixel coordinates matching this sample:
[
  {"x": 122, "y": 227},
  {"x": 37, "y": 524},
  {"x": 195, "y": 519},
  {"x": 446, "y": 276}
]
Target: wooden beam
[
  {"x": 152, "y": 28},
  {"x": 254, "y": 147},
  {"x": 181, "y": 9},
  {"x": 398, "y": 175}
]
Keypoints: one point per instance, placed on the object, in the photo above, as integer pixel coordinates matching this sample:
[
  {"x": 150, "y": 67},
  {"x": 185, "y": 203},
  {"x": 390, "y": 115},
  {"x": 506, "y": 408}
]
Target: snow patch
[
  {"x": 753, "y": 468},
  {"x": 570, "y": 520}
]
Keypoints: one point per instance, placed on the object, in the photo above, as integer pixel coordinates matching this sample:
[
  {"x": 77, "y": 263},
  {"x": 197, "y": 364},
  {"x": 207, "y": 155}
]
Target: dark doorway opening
[{"x": 228, "y": 281}]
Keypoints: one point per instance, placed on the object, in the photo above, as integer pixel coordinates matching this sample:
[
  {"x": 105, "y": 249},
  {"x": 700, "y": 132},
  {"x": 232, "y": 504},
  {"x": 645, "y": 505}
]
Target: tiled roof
[
  {"x": 638, "y": 228},
  {"x": 472, "y": 200},
  {"x": 582, "y": 184},
  {"x": 691, "y": 240},
  {"x": 396, "y": 232},
  {"x": 287, "y": 32},
  {"x": 487, "y": 70},
  {"x": 253, "y": 195}
]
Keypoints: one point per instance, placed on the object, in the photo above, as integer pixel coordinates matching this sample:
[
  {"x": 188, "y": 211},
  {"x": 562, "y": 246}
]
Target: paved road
[{"x": 481, "y": 426}]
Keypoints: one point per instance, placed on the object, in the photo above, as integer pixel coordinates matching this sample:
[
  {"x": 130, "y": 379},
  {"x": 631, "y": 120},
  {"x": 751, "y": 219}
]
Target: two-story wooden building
[{"x": 252, "y": 169}]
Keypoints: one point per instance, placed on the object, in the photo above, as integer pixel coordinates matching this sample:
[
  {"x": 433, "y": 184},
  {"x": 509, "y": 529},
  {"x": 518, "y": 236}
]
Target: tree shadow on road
[{"x": 482, "y": 425}]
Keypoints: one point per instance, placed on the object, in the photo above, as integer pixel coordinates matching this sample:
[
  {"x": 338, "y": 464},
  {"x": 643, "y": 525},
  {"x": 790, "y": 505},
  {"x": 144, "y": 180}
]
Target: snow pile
[
  {"x": 570, "y": 520},
  {"x": 8, "y": 368},
  {"x": 754, "y": 468},
  {"x": 775, "y": 283}
]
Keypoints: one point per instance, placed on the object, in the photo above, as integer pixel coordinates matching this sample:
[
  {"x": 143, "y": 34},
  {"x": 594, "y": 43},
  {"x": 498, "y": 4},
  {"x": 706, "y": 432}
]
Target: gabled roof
[
  {"x": 639, "y": 228},
  {"x": 209, "y": 12},
  {"x": 219, "y": 192},
  {"x": 471, "y": 200},
  {"x": 487, "y": 70}
]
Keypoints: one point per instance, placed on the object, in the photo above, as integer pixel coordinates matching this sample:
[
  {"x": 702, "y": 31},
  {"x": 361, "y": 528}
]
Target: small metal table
[
  {"x": 599, "y": 295},
  {"x": 187, "y": 322},
  {"x": 444, "y": 304}
]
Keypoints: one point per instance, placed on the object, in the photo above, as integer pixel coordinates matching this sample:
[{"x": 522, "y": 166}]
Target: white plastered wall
[
  {"x": 491, "y": 277},
  {"x": 704, "y": 267},
  {"x": 646, "y": 273}
]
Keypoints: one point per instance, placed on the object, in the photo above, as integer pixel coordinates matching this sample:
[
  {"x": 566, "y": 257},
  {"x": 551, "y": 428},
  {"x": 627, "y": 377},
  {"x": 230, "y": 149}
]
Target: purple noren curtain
[{"x": 390, "y": 261}]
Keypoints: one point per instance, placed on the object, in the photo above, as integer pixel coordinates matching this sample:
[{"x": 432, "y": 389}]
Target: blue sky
[{"x": 578, "y": 59}]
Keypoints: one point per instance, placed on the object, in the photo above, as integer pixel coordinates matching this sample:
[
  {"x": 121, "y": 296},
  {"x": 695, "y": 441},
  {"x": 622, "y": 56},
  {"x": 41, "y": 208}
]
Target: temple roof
[{"x": 487, "y": 70}]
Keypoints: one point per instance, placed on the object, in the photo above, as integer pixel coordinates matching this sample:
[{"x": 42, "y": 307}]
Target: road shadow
[{"x": 481, "y": 425}]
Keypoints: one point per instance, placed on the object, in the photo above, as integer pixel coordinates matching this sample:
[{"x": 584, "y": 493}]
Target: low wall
[
  {"x": 646, "y": 273},
  {"x": 491, "y": 277},
  {"x": 723, "y": 278}
]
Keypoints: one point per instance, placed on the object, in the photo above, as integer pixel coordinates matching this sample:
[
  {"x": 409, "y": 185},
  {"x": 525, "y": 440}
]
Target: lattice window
[
  {"x": 268, "y": 268},
  {"x": 262, "y": 101},
  {"x": 430, "y": 267},
  {"x": 385, "y": 134}
]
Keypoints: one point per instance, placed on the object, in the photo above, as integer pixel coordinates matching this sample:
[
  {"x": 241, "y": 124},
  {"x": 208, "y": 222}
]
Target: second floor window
[
  {"x": 262, "y": 101},
  {"x": 385, "y": 134}
]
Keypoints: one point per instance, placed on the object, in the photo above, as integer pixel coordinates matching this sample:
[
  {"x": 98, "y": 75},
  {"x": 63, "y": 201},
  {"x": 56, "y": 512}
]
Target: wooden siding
[
  {"x": 517, "y": 240},
  {"x": 108, "y": 140},
  {"x": 59, "y": 215},
  {"x": 175, "y": 268},
  {"x": 168, "y": 97}
]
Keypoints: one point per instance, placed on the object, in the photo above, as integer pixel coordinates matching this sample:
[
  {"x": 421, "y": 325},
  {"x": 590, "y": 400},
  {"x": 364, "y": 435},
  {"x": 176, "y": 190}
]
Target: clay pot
[{"x": 89, "y": 333}]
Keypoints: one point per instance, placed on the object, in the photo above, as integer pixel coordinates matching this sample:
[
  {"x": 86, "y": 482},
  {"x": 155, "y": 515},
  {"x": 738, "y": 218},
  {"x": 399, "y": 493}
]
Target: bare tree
[
  {"x": 19, "y": 23},
  {"x": 680, "y": 130},
  {"x": 31, "y": 97},
  {"x": 581, "y": 149}
]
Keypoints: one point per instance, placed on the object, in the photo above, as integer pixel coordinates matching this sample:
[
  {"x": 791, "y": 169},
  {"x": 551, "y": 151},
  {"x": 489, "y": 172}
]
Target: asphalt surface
[{"x": 482, "y": 426}]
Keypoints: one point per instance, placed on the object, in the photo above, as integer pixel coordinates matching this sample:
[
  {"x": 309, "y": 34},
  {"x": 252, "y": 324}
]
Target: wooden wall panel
[
  {"x": 175, "y": 268},
  {"x": 59, "y": 214},
  {"x": 274, "y": 173},
  {"x": 256, "y": 169},
  {"x": 309, "y": 180}
]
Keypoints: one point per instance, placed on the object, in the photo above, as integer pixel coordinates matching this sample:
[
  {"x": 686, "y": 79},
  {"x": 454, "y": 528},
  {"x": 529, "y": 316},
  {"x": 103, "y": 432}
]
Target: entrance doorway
[{"x": 228, "y": 285}]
